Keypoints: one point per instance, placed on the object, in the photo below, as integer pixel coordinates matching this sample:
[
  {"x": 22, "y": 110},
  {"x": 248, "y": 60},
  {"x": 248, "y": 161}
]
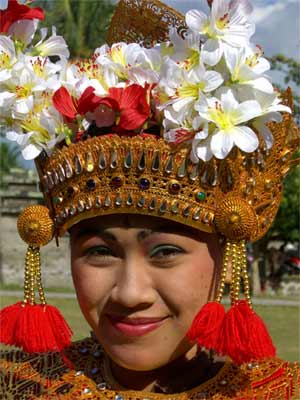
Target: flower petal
[
  {"x": 221, "y": 143},
  {"x": 265, "y": 133},
  {"x": 196, "y": 20},
  {"x": 63, "y": 102},
  {"x": 244, "y": 138},
  {"x": 246, "y": 111},
  {"x": 211, "y": 52}
]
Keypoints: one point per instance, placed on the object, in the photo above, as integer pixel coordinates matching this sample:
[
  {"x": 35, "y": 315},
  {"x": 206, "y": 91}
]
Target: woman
[{"x": 158, "y": 163}]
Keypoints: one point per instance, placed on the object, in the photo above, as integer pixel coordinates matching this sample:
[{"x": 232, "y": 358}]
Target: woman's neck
[{"x": 193, "y": 369}]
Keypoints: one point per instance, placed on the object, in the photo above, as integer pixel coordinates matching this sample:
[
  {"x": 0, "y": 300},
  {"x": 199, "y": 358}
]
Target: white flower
[
  {"x": 23, "y": 30},
  {"x": 7, "y": 100},
  {"x": 187, "y": 86},
  {"x": 7, "y": 57},
  {"x": 271, "y": 111},
  {"x": 119, "y": 57},
  {"x": 228, "y": 124},
  {"x": 42, "y": 132},
  {"x": 227, "y": 26},
  {"x": 246, "y": 67},
  {"x": 53, "y": 46},
  {"x": 185, "y": 50}
]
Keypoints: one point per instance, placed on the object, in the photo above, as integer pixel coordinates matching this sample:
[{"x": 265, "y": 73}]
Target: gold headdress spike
[{"x": 35, "y": 327}]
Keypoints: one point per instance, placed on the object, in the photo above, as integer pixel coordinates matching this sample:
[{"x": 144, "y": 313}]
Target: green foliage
[
  {"x": 9, "y": 158},
  {"x": 291, "y": 70},
  {"x": 286, "y": 225},
  {"x": 83, "y": 23}
]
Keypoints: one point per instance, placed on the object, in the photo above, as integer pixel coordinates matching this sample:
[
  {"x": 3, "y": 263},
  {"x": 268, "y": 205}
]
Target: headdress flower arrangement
[
  {"x": 207, "y": 89},
  {"x": 204, "y": 91}
]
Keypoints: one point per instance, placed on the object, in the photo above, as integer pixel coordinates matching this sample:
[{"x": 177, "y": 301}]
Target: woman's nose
[{"x": 133, "y": 285}]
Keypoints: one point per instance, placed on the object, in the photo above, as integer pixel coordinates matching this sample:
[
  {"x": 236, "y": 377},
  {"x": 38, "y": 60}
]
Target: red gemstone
[
  {"x": 116, "y": 182},
  {"x": 175, "y": 188}
]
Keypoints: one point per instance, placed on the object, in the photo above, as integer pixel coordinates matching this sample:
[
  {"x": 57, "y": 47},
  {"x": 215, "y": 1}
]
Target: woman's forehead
[{"x": 123, "y": 224}]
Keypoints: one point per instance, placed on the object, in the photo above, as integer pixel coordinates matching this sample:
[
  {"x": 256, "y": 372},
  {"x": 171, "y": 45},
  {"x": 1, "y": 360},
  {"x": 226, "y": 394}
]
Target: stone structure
[{"x": 21, "y": 189}]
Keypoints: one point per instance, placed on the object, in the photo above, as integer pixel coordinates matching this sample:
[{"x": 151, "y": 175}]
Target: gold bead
[{"x": 35, "y": 227}]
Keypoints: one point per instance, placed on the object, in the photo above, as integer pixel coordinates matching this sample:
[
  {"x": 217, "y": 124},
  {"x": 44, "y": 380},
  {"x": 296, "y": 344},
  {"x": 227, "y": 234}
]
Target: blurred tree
[
  {"x": 290, "y": 69},
  {"x": 9, "y": 158},
  {"x": 83, "y": 23}
]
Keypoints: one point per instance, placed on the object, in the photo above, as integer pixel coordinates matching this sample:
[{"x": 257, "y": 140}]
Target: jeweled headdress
[{"x": 175, "y": 119}]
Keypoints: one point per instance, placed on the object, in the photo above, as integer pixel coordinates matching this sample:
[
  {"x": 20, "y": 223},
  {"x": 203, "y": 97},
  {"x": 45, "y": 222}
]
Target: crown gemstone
[
  {"x": 156, "y": 162},
  {"x": 196, "y": 215},
  {"x": 128, "y": 160},
  {"x": 78, "y": 165},
  {"x": 107, "y": 201},
  {"x": 72, "y": 210},
  {"x": 169, "y": 165},
  {"x": 163, "y": 207},
  {"x": 182, "y": 169},
  {"x": 55, "y": 178},
  {"x": 81, "y": 206},
  {"x": 200, "y": 196},
  {"x": 61, "y": 173},
  {"x": 174, "y": 187},
  {"x": 142, "y": 162},
  {"x": 141, "y": 202},
  {"x": 144, "y": 183},
  {"x": 175, "y": 208},
  {"x": 186, "y": 211},
  {"x": 102, "y": 161},
  {"x": 114, "y": 159},
  {"x": 152, "y": 205},
  {"x": 118, "y": 201},
  {"x": 194, "y": 173},
  {"x": 116, "y": 182},
  {"x": 50, "y": 180},
  {"x": 58, "y": 199},
  {"x": 129, "y": 201},
  {"x": 90, "y": 184},
  {"x": 88, "y": 205},
  {"x": 98, "y": 202},
  {"x": 68, "y": 169},
  {"x": 89, "y": 163}
]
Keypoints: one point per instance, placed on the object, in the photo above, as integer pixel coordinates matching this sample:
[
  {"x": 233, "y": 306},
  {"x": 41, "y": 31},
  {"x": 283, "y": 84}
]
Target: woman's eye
[
  {"x": 166, "y": 250},
  {"x": 100, "y": 251}
]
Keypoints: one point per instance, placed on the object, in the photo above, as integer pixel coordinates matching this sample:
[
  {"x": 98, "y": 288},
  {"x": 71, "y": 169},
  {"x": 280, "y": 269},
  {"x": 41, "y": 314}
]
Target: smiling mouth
[{"x": 134, "y": 326}]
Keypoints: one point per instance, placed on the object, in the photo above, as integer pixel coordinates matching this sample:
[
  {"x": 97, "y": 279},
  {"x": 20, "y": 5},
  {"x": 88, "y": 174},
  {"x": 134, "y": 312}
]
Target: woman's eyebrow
[{"x": 90, "y": 231}]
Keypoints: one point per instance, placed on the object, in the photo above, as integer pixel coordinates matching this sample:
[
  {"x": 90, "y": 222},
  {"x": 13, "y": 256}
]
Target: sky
[{"x": 277, "y": 23}]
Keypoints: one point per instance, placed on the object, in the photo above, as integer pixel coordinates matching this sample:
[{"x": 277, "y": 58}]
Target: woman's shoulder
[{"x": 77, "y": 374}]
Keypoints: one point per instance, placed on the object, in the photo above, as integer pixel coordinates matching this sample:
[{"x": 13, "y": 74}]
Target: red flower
[
  {"x": 16, "y": 12},
  {"x": 70, "y": 107},
  {"x": 131, "y": 103}
]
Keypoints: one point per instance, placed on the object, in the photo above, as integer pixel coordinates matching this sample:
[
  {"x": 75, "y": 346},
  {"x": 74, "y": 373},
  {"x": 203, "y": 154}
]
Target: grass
[{"x": 283, "y": 324}]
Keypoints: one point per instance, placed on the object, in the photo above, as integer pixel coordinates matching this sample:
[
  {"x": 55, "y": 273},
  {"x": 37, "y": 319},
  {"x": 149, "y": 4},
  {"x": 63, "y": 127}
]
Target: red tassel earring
[
  {"x": 244, "y": 335},
  {"x": 30, "y": 326}
]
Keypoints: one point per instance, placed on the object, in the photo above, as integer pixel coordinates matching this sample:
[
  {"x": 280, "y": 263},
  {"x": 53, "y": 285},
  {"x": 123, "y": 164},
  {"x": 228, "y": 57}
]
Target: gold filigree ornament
[
  {"x": 35, "y": 226},
  {"x": 236, "y": 219}
]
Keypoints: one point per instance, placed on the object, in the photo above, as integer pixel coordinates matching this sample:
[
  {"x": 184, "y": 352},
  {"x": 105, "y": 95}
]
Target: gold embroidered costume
[{"x": 46, "y": 376}]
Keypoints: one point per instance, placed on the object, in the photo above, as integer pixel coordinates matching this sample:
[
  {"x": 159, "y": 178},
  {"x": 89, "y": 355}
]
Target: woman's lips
[{"x": 135, "y": 326}]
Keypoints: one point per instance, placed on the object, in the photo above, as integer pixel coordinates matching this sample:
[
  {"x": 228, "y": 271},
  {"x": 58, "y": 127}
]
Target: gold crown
[{"x": 111, "y": 174}]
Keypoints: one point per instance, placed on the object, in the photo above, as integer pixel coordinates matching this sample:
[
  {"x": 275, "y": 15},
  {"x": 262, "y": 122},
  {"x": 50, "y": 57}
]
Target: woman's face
[{"x": 140, "y": 282}]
